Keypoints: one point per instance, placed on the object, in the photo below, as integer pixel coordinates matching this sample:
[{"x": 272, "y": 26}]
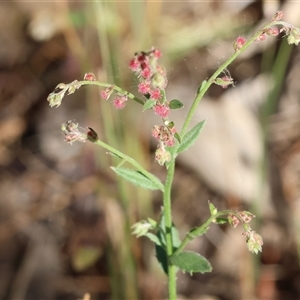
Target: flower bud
[
  {"x": 272, "y": 31},
  {"x": 239, "y": 43},
  {"x": 254, "y": 242},
  {"x": 294, "y": 36},
  {"x": 141, "y": 228},
  {"x": 278, "y": 16},
  {"x": 89, "y": 77},
  {"x": 261, "y": 37},
  {"x": 233, "y": 220},
  {"x": 162, "y": 156},
  {"x": 224, "y": 81},
  {"x": 72, "y": 133}
]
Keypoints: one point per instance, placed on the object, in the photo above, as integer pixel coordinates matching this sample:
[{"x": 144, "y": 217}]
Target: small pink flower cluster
[
  {"x": 72, "y": 133},
  {"x": 240, "y": 216},
  {"x": 153, "y": 82},
  {"x": 224, "y": 81},
  {"x": 152, "y": 78},
  {"x": 253, "y": 239},
  {"x": 164, "y": 134},
  {"x": 239, "y": 43},
  {"x": 120, "y": 99}
]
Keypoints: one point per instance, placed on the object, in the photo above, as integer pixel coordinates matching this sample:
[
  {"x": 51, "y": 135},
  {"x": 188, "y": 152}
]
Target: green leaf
[
  {"x": 191, "y": 262},
  {"x": 139, "y": 179},
  {"x": 213, "y": 210},
  {"x": 154, "y": 238},
  {"x": 221, "y": 220},
  {"x": 175, "y": 104},
  {"x": 161, "y": 254},
  {"x": 149, "y": 104},
  {"x": 177, "y": 137},
  {"x": 204, "y": 82},
  {"x": 190, "y": 137}
]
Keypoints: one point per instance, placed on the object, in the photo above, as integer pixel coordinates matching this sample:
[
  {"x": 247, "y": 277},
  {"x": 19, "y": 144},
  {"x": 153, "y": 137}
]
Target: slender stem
[
  {"x": 199, "y": 230},
  {"x": 168, "y": 223},
  {"x": 115, "y": 87},
  {"x": 210, "y": 81}
]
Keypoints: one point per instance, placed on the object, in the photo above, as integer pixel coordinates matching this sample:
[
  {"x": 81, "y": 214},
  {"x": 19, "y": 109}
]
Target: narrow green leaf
[
  {"x": 190, "y": 137},
  {"x": 149, "y": 104},
  {"x": 175, "y": 104},
  {"x": 177, "y": 137},
  {"x": 191, "y": 262},
  {"x": 139, "y": 179},
  {"x": 152, "y": 237},
  {"x": 201, "y": 86},
  {"x": 221, "y": 220},
  {"x": 213, "y": 210}
]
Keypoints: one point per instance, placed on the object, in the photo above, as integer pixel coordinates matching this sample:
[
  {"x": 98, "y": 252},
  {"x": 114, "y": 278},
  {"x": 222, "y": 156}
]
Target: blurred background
[{"x": 64, "y": 216}]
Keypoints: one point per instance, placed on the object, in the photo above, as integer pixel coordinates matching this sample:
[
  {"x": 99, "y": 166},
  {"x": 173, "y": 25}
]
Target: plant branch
[{"x": 203, "y": 89}]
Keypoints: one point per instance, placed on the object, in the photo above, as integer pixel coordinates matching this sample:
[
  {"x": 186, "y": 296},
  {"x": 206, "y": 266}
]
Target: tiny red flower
[
  {"x": 120, "y": 101},
  {"x": 106, "y": 93},
  {"x": 146, "y": 73},
  {"x": 278, "y": 16},
  {"x": 134, "y": 65},
  {"x": 261, "y": 37},
  {"x": 144, "y": 87},
  {"x": 161, "y": 110},
  {"x": 141, "y": 58},
  {"x": 239, "y": 43},
  {"x": 156, "y": 131},
  {"x": 273, "y": 31},
  {"x": 155, "y": 94},
  {"x": 156, "y": 53},
  {"x": 89, "y": 77}
]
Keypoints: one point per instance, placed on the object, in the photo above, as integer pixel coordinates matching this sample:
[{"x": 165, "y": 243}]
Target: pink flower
[
  {"x": 224, "y": 81},
  {"x": 278, "y": 16},
  {"x": 146, "y": 73},
  {"x": 261, "y": 37},
  {"x": 156, "y": 131},
  {"x": 144, "y": 87},
  {"x": 134, "y": 65},
  {"x": 273, "y": 31},
  {"x": 161, "y": 110},
  {"x": 120, "y": 101},
  {"x": 155, "y": 94},
  {"x": 239, "y": 43},
  {"x": 89, "y": 77},
  {"x": 156, "y": 53},
  {"x": 105, "y": 94}
]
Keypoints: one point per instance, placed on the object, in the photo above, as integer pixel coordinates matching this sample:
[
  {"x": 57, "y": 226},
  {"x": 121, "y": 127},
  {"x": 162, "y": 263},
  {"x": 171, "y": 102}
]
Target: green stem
[
  {"x": 199, "y": 230},
  {"x": 168, "y": 223},
  {"x": 211, "y": 80},
  {"x": 115, "y": 87}
]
